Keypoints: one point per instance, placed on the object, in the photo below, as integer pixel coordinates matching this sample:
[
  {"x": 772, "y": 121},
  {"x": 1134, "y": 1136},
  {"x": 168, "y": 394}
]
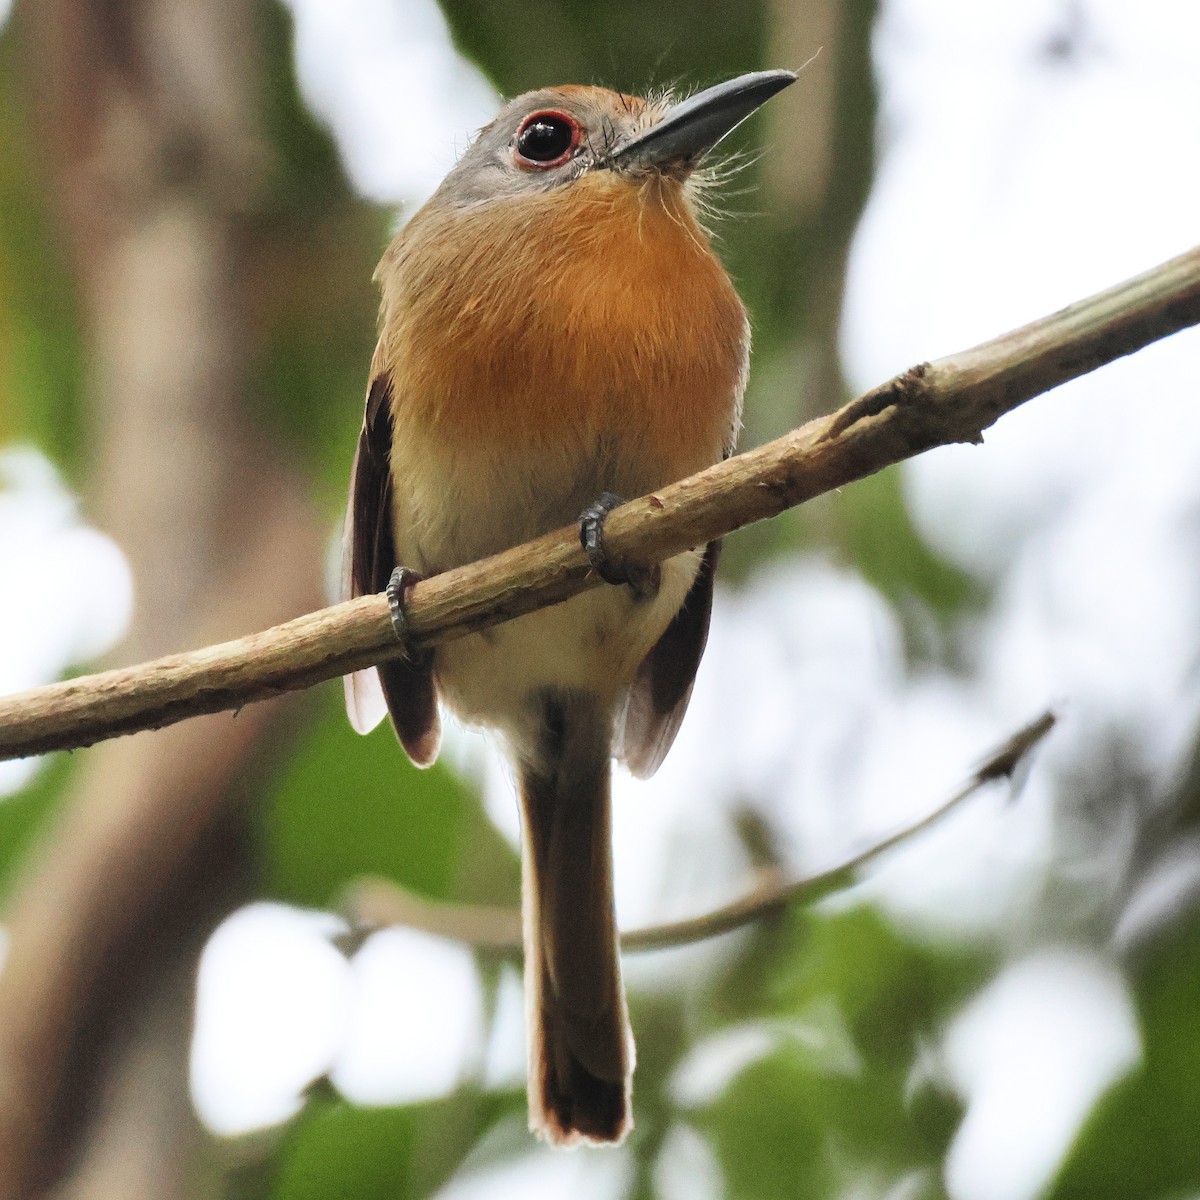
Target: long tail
[{"x": 580, "y": 1045}]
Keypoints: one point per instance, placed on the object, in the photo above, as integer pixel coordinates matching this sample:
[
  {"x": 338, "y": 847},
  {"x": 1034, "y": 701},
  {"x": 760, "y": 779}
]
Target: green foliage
[
  {"x": 879, "y": 539},
  {"x": 25, "y": 815},
  {"x": 306, "y": 176},
  {"x": 1140, "y": 1142},
  {"x": 311, "y": 300},
  {"x": 347, "y": 806},
  {"x": 335, "y": 1150},
  {"x": 839, "y": 1099},
  {"x": 40, "y": 360},
  {"x": 630, "y": 45}
]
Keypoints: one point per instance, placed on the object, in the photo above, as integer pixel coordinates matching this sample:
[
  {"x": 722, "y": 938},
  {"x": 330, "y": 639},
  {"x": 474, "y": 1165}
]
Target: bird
[{"x": 556, "y": 335}]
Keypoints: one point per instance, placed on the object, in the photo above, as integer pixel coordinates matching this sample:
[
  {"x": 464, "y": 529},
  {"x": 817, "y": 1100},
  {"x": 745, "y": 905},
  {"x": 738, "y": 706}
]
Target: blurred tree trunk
[
  {"x": 148, "y": 112},
  {"x": 816, "y": 177}
]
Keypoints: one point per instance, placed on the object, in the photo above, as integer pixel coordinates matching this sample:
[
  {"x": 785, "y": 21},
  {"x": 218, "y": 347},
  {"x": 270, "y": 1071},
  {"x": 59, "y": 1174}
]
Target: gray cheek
[
  {"x": 474, "y": 181},
  {"x": 478, "y": 179}
]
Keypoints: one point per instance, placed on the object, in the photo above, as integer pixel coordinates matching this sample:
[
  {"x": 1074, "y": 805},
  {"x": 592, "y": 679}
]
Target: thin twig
[
  {"x": 378, "y": 902},
  {"x": 951, "y": 400}
]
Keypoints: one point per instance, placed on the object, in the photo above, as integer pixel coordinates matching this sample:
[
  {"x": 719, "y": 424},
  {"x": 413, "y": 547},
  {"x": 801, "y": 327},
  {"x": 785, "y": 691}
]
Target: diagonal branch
[
  {"x": 379, "y": 902},
  {"x": 934, "y": 404}
]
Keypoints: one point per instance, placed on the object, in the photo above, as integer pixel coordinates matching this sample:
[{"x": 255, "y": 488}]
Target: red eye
[{"x": 547, "y": 139}]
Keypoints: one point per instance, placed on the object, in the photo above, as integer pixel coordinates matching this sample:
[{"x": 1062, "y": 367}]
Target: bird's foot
[
  {"x": 643, "y": 580},
  {"x": 397, "y": 589}
]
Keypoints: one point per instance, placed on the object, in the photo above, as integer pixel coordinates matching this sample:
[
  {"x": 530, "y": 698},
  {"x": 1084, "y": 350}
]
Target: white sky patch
[
  {"x": 414, "y": 1021},
  {"x": 504, "y": 1063},
  {"x": 709, "y": 1068},
  {"x": 402, "y": 102},
  {"x": 1169, "y": 889},
  {"x": 272, "y": 1005},
  {"x": 687, "y": 1167},
  {"x": 540, "y": 1174},
  {"x": 5, "y": 10},
  {"x": 1031, "y": 1055},
  {"x": 278, "y": 1006},
  {"x": 67, "y": 592}
]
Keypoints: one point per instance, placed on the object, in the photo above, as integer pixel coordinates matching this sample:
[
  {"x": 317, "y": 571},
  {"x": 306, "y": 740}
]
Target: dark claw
[
  {"x": 642, "y": 580},
  {"x": 402, "y": 579},
  {"x": 591, "y": 537}
]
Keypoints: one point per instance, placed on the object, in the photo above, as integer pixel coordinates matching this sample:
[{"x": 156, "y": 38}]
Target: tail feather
[{"x": 581, "y": 1049}]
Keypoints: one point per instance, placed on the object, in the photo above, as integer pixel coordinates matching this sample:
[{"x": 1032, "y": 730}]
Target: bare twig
[
  {"x": 934, "y": 404},
  {"x": 379, "y": 902}
]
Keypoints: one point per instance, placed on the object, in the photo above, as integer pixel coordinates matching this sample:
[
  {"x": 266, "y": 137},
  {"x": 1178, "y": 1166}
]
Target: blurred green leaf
[
  {"x": 770, "y": 1134},
  {"x": 24, "y": 815},
  {"x": 336, "y": 1150},
  {"x": 306, "y": 173},
  {"x": 311, "y": 301},
  {"x": 1140, "y": 1141},
  {"x": 347, "y": 805},
  {"x": 879, "y": 538},
  {"x": 813, "y": 1114},
  {"x": 630, "y": 45},
  {"x": 40, "y": 359}
]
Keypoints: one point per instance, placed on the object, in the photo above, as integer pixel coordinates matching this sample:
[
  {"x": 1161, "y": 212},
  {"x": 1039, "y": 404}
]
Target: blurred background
[{"x": 193, "y": 195}]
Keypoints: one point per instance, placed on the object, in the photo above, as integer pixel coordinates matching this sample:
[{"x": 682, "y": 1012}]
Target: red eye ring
[{"x": 546, "y": 139}]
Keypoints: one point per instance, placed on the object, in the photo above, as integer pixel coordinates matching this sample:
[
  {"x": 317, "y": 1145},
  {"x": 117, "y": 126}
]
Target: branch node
[{"x": 906, "y": 389}]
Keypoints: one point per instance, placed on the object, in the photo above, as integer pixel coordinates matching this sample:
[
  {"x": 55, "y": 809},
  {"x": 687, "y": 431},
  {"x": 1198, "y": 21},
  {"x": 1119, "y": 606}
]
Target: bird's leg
[
  {"x": 643, "y": 580},
  {"x": 402, "y": 579}
]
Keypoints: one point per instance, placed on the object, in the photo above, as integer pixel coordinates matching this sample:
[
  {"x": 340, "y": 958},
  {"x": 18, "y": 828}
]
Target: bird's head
[{"x": 554, "y": 137}]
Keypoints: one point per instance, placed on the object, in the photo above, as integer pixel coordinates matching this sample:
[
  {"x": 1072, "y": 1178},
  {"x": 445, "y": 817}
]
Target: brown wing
[
  {"x": 660, "y": 693},
  {"x": 369, "y": 557}
]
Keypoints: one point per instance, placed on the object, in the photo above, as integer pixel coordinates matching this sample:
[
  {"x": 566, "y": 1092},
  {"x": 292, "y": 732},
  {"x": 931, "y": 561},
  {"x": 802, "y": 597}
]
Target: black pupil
[{"x": 545, "y": 138}]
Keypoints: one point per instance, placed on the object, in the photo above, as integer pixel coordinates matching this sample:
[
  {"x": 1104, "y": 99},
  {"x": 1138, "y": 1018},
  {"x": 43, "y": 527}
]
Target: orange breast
[{"x": 591, "y": 311}]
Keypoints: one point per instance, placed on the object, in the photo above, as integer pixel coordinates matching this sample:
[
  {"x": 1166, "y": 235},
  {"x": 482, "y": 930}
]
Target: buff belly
[
  {"x": 452, "y": 510},
  {"x": 592, "y": 643}
]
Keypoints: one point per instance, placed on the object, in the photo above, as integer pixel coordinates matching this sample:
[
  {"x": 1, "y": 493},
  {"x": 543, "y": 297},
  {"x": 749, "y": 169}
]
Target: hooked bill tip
[{"x": 691, "y": 128}]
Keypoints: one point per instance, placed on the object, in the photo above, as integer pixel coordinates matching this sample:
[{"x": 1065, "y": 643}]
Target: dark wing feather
[
  {"x": 405, "y": 688},
  {"x": 660, "y": 692}
]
